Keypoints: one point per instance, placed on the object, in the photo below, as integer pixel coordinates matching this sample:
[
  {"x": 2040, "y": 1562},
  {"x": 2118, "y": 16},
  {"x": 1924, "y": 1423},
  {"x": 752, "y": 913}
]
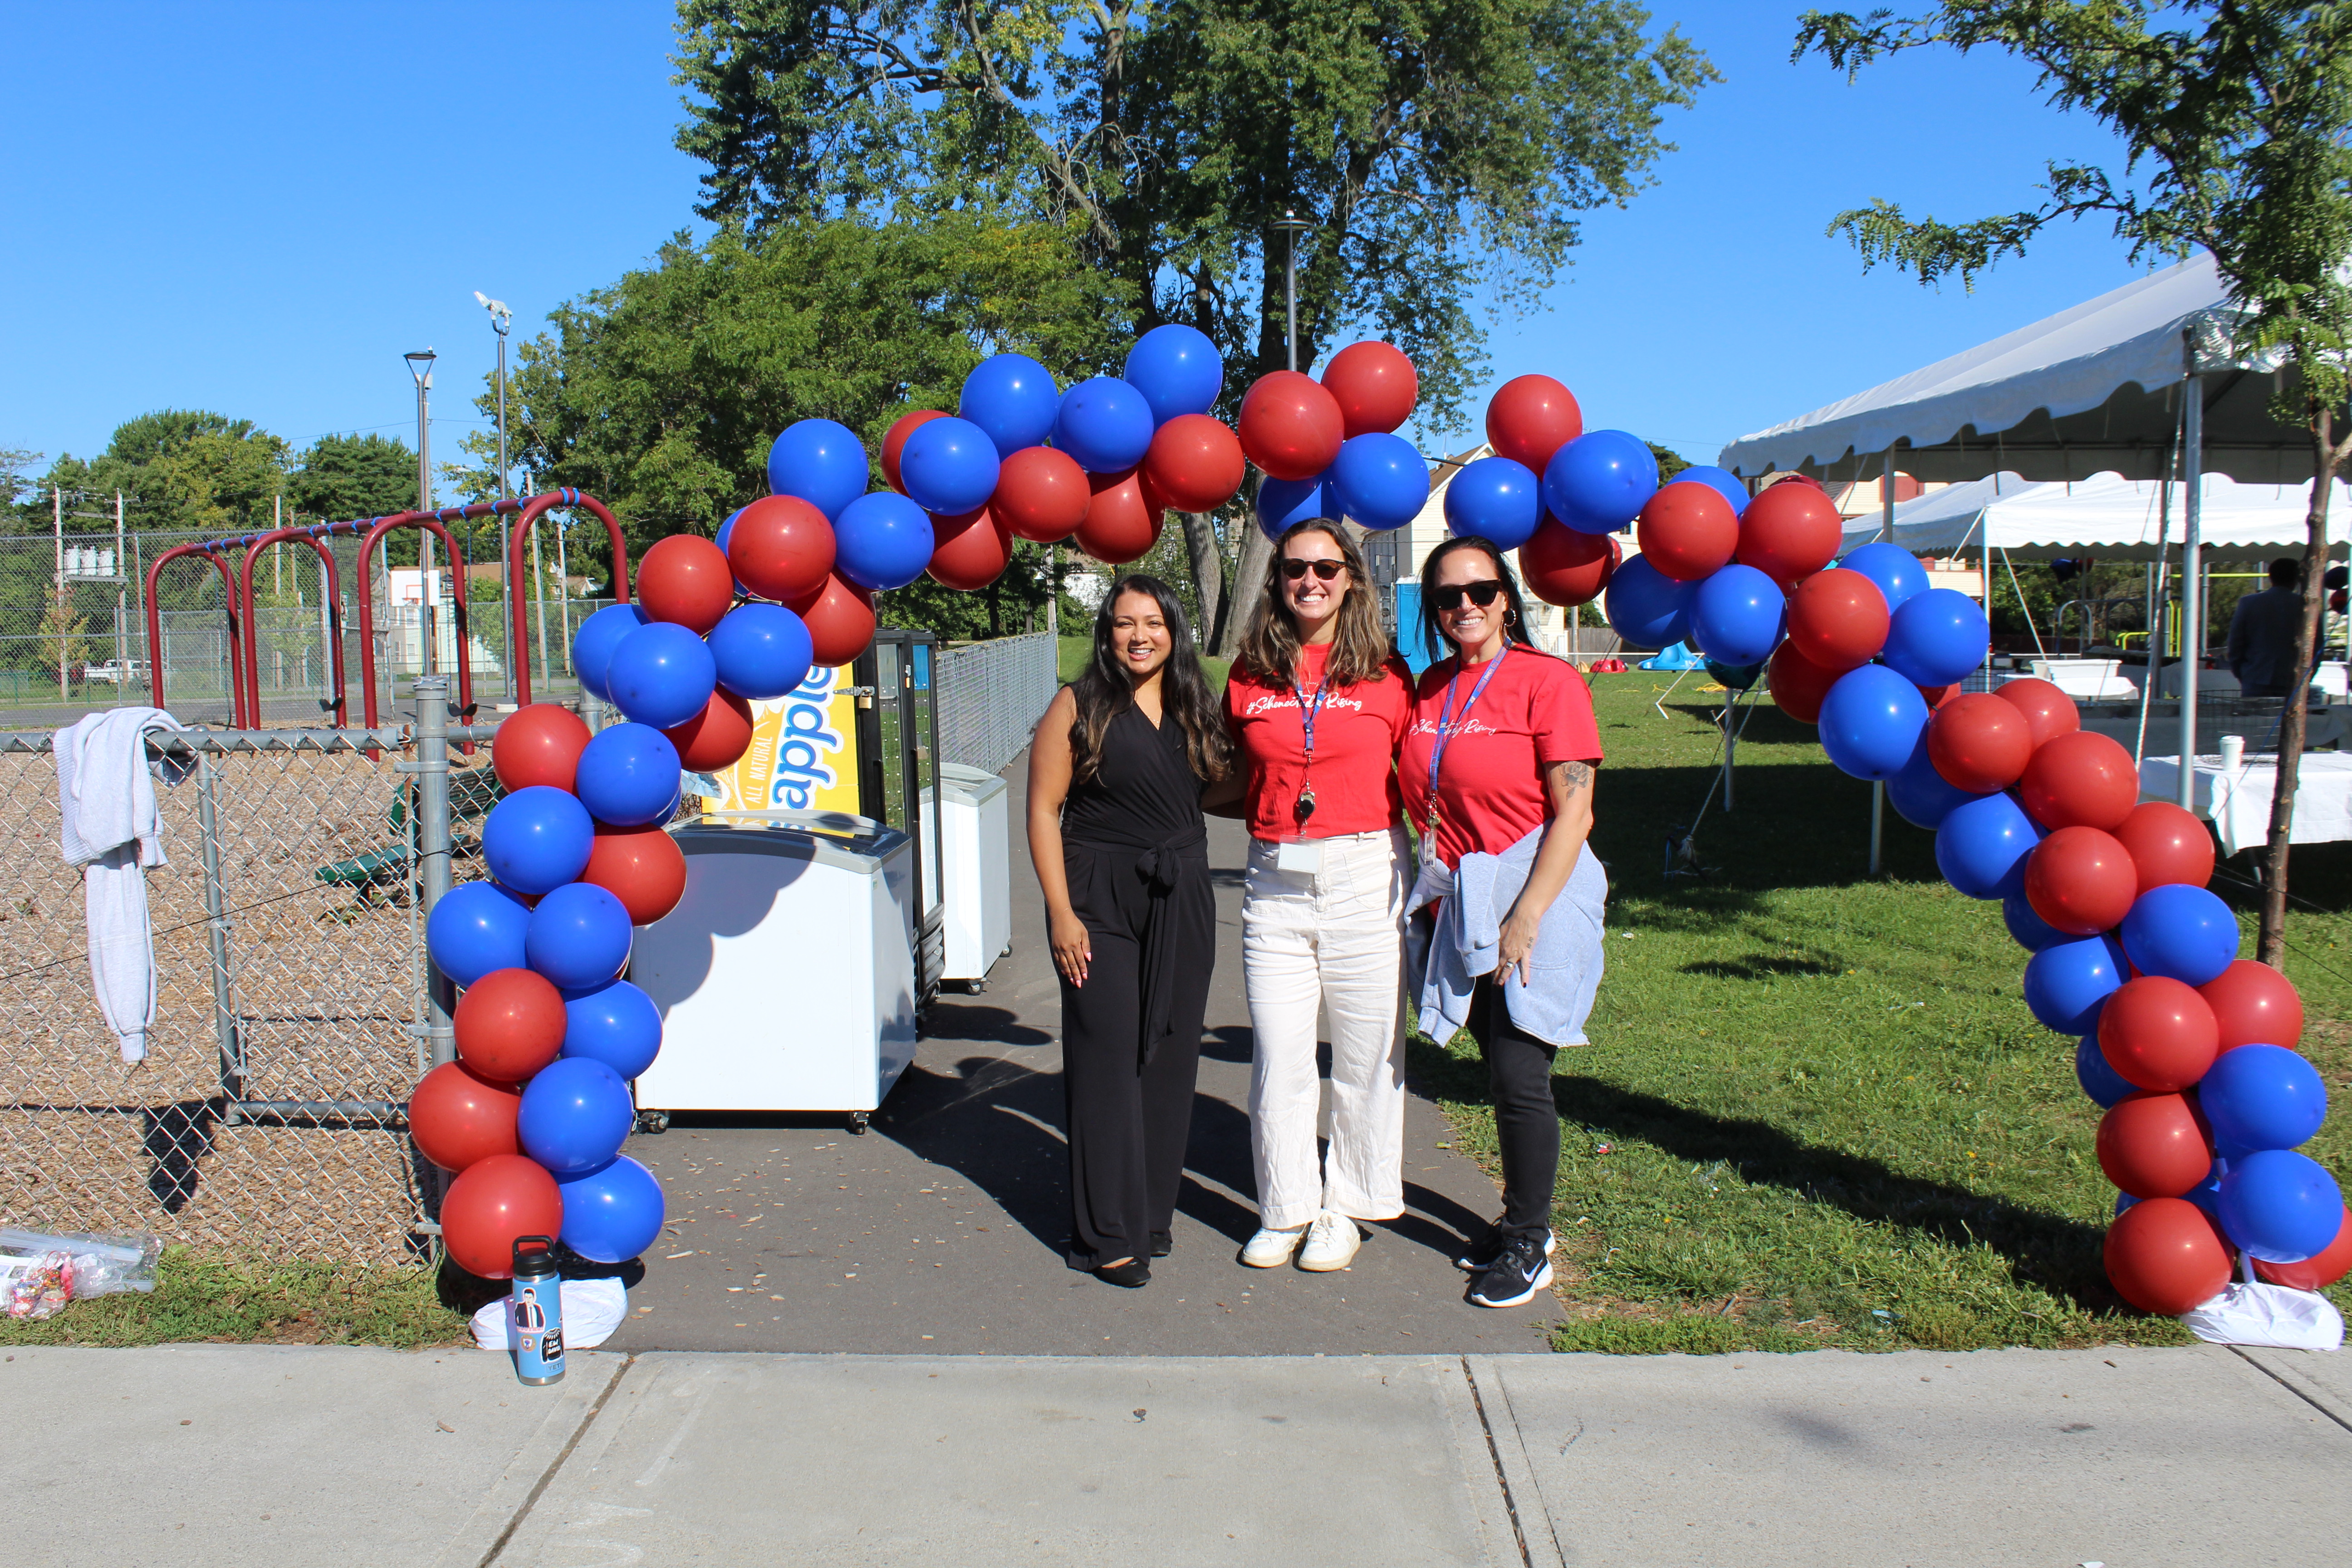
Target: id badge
[{"x": 1303, "y": 856}]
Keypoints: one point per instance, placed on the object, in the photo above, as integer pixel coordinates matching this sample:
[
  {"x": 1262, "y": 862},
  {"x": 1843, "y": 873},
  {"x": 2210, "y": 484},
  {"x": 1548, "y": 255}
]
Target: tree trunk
[
  {"x": 1208, "y": 574},
  {"x": 1249, "y": 588},
  {"x": 2270, "y": 944}
]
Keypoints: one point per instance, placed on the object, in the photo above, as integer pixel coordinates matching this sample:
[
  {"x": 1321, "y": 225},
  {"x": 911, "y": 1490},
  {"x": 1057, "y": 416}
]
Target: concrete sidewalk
[{"x": 198, "y": 1455}]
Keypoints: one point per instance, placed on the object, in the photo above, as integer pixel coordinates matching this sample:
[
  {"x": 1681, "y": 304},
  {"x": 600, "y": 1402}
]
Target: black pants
[
  {"x": 1527, "y": 1122},
  {"x": 1128, "y": 1120}
]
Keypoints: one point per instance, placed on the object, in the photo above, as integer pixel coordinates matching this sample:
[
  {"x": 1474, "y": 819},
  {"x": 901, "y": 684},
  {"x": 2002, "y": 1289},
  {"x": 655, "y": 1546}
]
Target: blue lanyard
[
  {"x": 1306, "y": 714},
  {"x": 1449, "y": 722}
]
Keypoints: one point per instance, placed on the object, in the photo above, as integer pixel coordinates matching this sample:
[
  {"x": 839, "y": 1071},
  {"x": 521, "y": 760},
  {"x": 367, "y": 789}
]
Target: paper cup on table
[{"x": 2233, "y": 754}]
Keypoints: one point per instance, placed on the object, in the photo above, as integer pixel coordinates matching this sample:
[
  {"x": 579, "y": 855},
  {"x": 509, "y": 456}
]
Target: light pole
[
  {"x": 420, "y": 365},
  {"x": 501, "y": 318},
  {"x": 1291, "y": 223}
]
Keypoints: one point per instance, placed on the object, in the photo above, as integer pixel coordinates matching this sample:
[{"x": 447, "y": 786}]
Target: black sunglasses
[
  {"x": 1325, "y": 570},
  {"x": 1479, "y": 593}
]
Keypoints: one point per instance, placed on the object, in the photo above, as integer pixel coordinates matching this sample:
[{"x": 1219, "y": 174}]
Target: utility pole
[
  {"x": 58, "y": 528},
  {"x": 420, "y": 365}
]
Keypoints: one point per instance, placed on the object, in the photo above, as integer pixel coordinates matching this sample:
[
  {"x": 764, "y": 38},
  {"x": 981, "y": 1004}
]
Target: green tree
[
  {"x": 177, "y": 469},
  {"x": 343, "y": 478},
  {"x": 2236, "y": 120}
]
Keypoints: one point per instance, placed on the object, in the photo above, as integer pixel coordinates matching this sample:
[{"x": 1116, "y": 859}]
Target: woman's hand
[
  {"x": 1072, "y": 946},
  {"x": 1517, "y": 945}
]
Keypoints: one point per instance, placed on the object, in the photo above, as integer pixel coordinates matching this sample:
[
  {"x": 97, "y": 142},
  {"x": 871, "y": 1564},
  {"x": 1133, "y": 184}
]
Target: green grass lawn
[
  {"x": 253, "y": 1301},
  {"x": 1815, "y": 1111}
]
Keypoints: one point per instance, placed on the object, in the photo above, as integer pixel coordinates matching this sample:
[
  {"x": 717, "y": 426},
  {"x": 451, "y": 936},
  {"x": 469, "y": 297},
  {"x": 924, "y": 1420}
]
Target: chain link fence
[{"x": 992, "y": 695}]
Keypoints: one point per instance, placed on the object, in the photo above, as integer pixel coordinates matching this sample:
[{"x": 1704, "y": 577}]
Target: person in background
[
  {"x": 2262, "y": 635},
  {"x": 1121, "y": 853},
  {"x": 1316, "y": 703},
  {"x": 1506, "y": 937}
]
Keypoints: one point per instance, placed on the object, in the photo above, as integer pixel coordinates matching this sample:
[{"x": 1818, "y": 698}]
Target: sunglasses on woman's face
[
  {"x": 1479, "y": 593},
  {"x": 1324, "y": 570}
]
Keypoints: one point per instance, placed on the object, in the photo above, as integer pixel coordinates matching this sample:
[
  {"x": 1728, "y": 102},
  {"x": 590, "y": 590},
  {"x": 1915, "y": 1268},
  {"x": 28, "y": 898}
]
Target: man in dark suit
[{"x": 2261, "y": 635}]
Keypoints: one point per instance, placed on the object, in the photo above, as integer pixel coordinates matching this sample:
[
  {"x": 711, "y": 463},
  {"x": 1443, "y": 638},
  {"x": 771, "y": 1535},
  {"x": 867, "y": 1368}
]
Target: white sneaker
[
  {"x": 1272, "y": 1249},
  {"x": 1331, "y": 1242}
]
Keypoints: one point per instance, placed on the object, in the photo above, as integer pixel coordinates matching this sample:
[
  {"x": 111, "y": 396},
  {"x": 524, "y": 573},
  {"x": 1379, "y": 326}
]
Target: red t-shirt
[
  {"x": 1537, "y": 711},
  {"x": 1356, "y": 735}
]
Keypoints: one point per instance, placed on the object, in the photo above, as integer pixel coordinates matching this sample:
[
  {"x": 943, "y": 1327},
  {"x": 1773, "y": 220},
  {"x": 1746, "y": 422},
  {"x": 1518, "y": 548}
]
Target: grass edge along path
[{"x": 205, "y": 1297}]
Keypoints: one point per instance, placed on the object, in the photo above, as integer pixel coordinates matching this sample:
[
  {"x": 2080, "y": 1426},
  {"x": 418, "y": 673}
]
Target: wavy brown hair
[
  {"x": 1359, "y": 652},
  {"x": 1103, "y": 692}
]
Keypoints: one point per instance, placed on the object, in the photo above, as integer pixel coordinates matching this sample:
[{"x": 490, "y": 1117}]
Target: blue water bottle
[{"x": 535, "y": 1308}]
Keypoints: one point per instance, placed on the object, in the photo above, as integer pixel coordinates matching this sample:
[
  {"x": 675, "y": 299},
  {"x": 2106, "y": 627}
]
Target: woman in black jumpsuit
[{"x": 1116, "y": 834}]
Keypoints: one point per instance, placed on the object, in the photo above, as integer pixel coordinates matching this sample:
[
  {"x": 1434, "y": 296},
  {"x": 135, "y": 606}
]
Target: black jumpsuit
[{"x": 1136, "y": 852}]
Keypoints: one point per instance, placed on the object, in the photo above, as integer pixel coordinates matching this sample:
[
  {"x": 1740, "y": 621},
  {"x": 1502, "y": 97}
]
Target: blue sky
[{"x": 258, "y": 208}]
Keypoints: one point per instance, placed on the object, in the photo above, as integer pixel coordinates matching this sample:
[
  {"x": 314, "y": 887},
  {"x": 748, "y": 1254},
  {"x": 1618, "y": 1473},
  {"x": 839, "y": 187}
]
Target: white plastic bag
[
  {"x": 2271, "y": 1315},
  {"x": 593, "y": 1309},
  {"x": 102, "y": 1264}
]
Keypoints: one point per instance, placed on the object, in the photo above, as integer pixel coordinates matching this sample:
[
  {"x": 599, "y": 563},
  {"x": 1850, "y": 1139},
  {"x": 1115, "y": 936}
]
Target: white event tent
[{"x": 2105, "y": 515}]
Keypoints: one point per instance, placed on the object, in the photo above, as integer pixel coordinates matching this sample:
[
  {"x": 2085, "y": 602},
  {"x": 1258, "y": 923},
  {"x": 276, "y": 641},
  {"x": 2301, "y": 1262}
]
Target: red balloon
[
  {"x": 2319, "y": 1270},
  {"x": 715, "y": 737},
  {"x": 2155, "y": 1145},
  {"x": 2081, "y": 880},
  {"x": 1529, "y": 418},
  {"x": 491, "y": 1204},
  {"x": 509, "y": 1023},
  {"x": 642, "y": 867},
  {"x": 1688, "y": 531},
  {"x": 1980, "y": 743},
  {"x": 2049, "y": 712},
  {"x": 2165, "y": 1256},
  {"x": 1564, "y": 567},
  {"x": 2156, "y": 1033},
  {"x": 781, "y": 547},
  {"x": 1798, "y": 684},
  {"x": 2167, "y": 845},
  {"x": 1837, "y": 619},
  {"x": 894, "y": 442},
  {"x": 686, "y": 579},
  {"x": 1376, "y": 387},
  {"x": 840, "y": 619},
  {"x": 1934, "y": 697},
  {"x": 970, "y": 549},
  {"x": 1788, "y": 533},
  {"x": 1120, "y": 527},
  {"x": 455, "y": 1115},
  {"x": 2254, "y": 1005},
  {"x": 1290, "y": 426},
  {"x": 539, "y": 745},
  {"x": 1194, "y": 462},
  {"x": 1040, "y": 494},
  {"x": 2082, "y": 780}
]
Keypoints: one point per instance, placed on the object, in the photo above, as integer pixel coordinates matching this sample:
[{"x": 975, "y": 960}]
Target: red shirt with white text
[
  {"x": 1535, "y": 711},
  {"x": 1356, "y": 735}
]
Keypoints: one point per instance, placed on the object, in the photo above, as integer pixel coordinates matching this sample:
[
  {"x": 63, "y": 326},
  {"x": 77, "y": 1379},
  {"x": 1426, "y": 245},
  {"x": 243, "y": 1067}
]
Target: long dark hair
[
  {"x": 1104, "y": 692},
  {"x": 1514, "y": 623},
  {"x": 1359, "y": 648}
]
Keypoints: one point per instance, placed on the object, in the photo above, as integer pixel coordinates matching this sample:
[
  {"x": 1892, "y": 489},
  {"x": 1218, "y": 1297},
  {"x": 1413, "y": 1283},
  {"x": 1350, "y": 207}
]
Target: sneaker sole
[
  {"x": 1539, "y": 1282},
  {"x": 1249, "y": 1262},
  {"x": 1333, "y": 1265}
]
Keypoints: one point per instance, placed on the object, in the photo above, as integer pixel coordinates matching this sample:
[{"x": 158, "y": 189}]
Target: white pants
[{"x": 1332, "y": 939}]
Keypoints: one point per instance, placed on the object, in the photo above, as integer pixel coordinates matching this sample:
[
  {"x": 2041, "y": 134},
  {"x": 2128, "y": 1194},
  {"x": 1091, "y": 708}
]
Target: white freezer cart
[
  {"x": 975, "y": 872},
  {"x": 785, "y": 976}
]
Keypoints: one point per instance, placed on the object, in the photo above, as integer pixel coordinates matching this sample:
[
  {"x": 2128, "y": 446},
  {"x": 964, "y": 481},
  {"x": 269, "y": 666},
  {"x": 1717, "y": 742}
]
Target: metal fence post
[
  {"x": 432, "y": 770},
  {"x": 216, "y": 942}
]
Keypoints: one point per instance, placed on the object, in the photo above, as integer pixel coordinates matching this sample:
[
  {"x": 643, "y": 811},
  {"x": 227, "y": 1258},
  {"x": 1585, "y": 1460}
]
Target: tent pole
[
  {"x": 1886, "y": 495},
  {"x": 1877, "y": 820},
  {"x": 2192, "y": 593},
  {"x": 2153, "y": 620}
]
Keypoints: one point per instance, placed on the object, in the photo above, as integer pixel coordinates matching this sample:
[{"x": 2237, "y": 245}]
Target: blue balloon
[
  {"x": 613, "y": 1213},
  {"x": 474, "y": 927},
  {"x": 2067, "y": 987},
  {"x": 1937, "y": 637},
  {"x": 1723, "y": 481},
  {"x": 1281, "y": 502},
  {"x": 2124, "y": 1201},
  {"x": 1871, "y": 721},
  {"x": 1177, "y": 369},
  {"x": 627, "y": 776},
  {"x": 1982, "y": 845},
  {"x": 1598, "y": 482},
  {"x": 578, "y": 936},
  {"x": 726, "y": 531},
  {"x": 2029, "y": 930},
  {"x": 949, "y": 467},
  {"x": 2106, "y": 1086},
  {"x": 2206, "y": 1194},
  {"x": 883, "y": 540},
  {"x": 1737, "y": 616},
  {"x": 1894, "y": 569},
  {"x": 615, "y": 1023},
  {"x": 2280, "y": 1205},
  {"x": 1103, "y": 425},
  {"x": 593, "y": 644},
  {"x": 1919, "y": 794},
  {"x": 575, "y": 1115},
  {"x": 2262, "y": 1097},
  {"x": 761, "y": 651},
  {"x": 1645, "y": 607},
  {"x": 820, "y": 462},
  {"x": 1380, "y": 481},
  {"x": 538, "y": 838},
  {"x": 2182, "y": 932},
  {"x": 662, "y": 674},
  {"x": 1011, "y": 398},
  {"x": 1495, "y": 499}
]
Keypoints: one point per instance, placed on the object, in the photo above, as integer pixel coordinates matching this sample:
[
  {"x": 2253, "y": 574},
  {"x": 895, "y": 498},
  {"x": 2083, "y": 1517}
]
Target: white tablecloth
[{"x": 2240, "y": 808}]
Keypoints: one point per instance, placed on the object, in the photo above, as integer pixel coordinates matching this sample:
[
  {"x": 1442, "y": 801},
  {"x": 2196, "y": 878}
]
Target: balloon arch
[{"x": 2187, "y": 1049}]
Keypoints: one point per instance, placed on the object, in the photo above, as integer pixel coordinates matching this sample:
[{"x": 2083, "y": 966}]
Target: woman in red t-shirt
[
  {"x": 1316, "y": 703},
  {"x": 1497, "y": 767}
]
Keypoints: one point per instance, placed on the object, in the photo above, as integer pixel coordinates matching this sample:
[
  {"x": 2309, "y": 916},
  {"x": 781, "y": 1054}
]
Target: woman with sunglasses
[
  {"x": 1121, "y": 854},
  {"x": 1316, "y": 703},
  {"x": 1506, "y": 937}
]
